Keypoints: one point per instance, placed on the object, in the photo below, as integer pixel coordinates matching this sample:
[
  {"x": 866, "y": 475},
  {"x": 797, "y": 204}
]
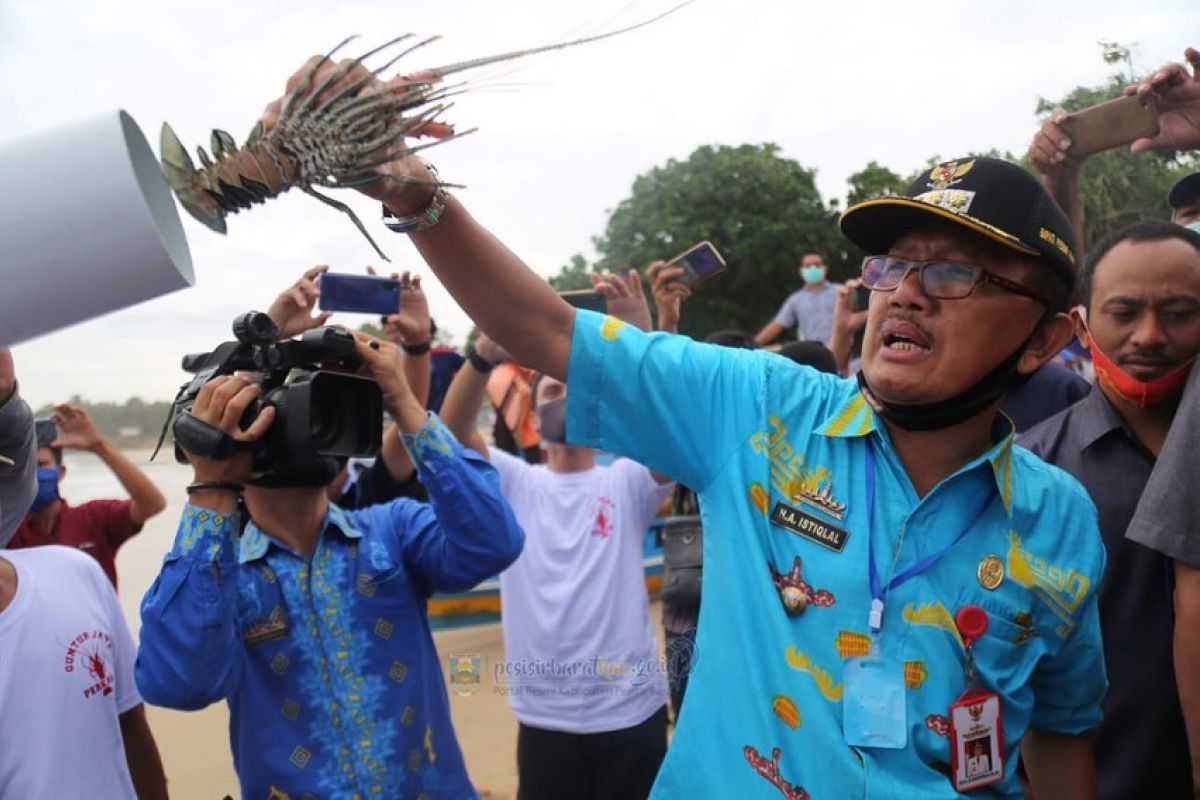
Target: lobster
[{"x": 330, "y": 135}]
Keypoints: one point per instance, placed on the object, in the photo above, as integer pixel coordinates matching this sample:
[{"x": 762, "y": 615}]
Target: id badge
[
  {"x": 874, "y": 707},
  {"x": 977, "y": 740}
]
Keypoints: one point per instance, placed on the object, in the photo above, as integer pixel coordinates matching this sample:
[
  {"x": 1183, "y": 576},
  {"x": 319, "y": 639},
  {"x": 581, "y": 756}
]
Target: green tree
[
  {"x": 874, "y": 180},
  {"x": 760, "y": 210},
  {"x": 574, "y": 275}
]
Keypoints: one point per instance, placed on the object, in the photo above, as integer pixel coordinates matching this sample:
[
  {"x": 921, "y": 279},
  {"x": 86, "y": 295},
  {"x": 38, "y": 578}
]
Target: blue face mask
[
  {"x": 1194, "y": 226},
  {"x": 47, "y": 493},
  {"x": 812, "y": 274}
]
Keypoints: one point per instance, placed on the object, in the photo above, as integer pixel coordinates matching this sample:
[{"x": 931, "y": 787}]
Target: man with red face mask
[{"x": 1142, "y": 292}]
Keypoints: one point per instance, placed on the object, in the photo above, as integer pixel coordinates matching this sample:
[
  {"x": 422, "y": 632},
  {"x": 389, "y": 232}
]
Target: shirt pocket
[
  {"x": 383, "y": 585},
  {"x": 1006, "y": 654}
]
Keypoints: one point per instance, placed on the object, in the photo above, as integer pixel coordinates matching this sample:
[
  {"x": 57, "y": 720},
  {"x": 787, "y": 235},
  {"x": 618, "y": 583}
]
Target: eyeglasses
[{"x": 945, "y": 280}]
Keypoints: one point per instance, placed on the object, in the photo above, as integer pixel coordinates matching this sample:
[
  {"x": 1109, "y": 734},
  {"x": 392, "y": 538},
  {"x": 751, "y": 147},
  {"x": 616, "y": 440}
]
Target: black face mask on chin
[
  {"x": 960, "y": 408},
  {"x": 310, "y": 474}
]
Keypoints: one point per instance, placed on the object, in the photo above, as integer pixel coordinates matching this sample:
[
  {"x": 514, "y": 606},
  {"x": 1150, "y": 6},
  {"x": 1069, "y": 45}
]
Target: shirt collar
[
  {"x": 1096, "y": 418},
  {"x": 255, "y": 542},
  {"x": 853, "y": 417}
]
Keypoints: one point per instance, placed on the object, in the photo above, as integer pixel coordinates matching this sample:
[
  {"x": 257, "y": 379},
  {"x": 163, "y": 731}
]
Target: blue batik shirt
[
  {"x": 328, "y": 663},
  {"x": 777, "y": 453}
]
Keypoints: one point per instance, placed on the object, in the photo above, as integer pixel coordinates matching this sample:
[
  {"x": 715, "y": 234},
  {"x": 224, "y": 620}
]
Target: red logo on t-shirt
[
  {"x": 603, "y": 526},
  {"x": 91, "y": 652}
]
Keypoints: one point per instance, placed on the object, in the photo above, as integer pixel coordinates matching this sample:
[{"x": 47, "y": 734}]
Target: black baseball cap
[
  {"x": 1185, "y": 191},
  {"x": 989, "y": 196}
]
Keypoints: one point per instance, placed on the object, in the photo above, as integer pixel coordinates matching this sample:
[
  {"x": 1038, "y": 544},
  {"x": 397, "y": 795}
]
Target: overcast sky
[{"x": 561, "y": 137}]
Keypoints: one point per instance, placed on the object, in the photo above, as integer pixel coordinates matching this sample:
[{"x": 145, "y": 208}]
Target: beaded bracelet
[{"x": 424, "y": 219}]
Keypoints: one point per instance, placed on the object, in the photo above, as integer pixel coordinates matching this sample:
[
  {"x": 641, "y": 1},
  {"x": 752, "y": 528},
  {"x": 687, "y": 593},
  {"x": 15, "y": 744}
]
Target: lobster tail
[{"x": 183, "y": 176}]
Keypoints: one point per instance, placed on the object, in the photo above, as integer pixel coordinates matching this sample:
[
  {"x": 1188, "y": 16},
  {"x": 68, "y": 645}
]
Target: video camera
[{"x": 321, "y": 416}]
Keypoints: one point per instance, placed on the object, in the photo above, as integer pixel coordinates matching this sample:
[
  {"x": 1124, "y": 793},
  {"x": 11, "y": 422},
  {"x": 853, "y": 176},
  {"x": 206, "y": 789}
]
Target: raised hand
[
  {"x": 669, "y": 293},
  {"x": 408, "y": 184},
  {"x": 626, "y": 301},
  {"x": 221, "y": 403},
  {"x": 76, "y": 430},
  {"x": 293, "y": 310},
  {"x": 1178, "y": 94},
  {"x": 1048, "y": 150},
  {"x": 411, "y": 324}
]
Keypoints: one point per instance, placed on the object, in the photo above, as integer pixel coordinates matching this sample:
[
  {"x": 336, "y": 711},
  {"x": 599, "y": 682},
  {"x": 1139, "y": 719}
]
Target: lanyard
[{"x": 878, "y": 590}]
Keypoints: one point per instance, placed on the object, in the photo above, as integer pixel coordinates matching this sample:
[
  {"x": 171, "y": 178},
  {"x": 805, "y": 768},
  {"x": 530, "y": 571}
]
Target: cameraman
[
  {"x": 392, "y": 474},
  {"x": 313, "y": 626}
]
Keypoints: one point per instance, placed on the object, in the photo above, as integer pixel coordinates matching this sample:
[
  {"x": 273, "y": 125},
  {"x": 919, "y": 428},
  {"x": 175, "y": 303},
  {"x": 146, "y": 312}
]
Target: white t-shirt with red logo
[
  {"x": 580, "y": 653},
  {"x": 66, "y": 674}
]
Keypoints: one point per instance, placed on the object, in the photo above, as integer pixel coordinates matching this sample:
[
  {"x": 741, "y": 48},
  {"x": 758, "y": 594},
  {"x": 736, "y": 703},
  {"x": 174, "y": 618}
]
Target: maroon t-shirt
[{"x": 98, "y": 528}]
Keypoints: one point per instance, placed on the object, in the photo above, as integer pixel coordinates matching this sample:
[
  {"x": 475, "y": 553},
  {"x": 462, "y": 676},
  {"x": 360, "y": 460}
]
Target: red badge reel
[{"x": 976, "y": 729}]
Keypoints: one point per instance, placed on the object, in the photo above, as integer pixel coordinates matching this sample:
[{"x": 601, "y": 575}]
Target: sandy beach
[{"x": 195, "y": 745}]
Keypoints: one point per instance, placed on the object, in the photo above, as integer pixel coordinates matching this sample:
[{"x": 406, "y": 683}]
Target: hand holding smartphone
[
  {"x": 359, "y": 294},
  {"x": 700, "y": 262},
  {"x": 1111, "y": 124},
  {"x": 46, "y": 431}
]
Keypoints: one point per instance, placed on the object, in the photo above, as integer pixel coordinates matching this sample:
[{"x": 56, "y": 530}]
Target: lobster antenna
[{"x": 442, "y": 72}]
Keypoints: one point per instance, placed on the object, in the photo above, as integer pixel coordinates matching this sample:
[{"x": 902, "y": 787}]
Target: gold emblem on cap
[
  {"x": 990, "y": 572},
  {"x": 943, "y": 176}
]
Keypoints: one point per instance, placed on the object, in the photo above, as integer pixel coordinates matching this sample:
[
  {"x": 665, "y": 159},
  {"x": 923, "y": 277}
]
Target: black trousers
[{"x": 614, "y": 765}]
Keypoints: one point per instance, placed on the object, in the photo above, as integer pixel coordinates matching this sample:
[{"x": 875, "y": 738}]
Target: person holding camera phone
[
  {"x": 576, "y": 598},
  {"x": 98, "y": 527},
  {"x": 392, "y": 473},
  {"x": 312, "y": 624}
]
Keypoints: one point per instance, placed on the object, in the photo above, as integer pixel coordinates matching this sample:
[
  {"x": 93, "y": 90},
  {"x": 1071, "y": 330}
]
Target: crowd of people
[{"x": 937, "y": 560}]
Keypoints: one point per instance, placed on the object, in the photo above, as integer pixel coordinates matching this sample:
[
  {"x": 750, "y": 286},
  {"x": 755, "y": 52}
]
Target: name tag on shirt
[
  {"x": 874, "y": 710},
  {"x": 809, "y": 527}
]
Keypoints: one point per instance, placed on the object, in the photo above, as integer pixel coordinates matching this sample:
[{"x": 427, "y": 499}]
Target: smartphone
[
  {"x": 587, "y": 299},
  {"x": 862, "y": 298},
  {"x": 700, "y": 262},
  {"x": 359, "y": 294},
  {"x": 46, "y": 431},
  {"x": 1111, "y": 124}
]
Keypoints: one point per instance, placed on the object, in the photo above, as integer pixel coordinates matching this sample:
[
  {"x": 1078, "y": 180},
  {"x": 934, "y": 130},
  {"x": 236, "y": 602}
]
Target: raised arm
[
  {"x": 189, "y": 654},
  {"x": 1059, "y": 171},
  {"x": 78, "y": 432},
  {"x": 465, "y": 396},
  {"x": 847, "y": 321}
]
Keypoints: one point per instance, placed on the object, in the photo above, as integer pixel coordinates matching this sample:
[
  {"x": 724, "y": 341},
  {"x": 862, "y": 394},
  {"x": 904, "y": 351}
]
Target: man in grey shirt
[
  {"x": 1142, "y": 289},
  {"x": 808, "y": 310},
  {"x": 17, "y": 449}
]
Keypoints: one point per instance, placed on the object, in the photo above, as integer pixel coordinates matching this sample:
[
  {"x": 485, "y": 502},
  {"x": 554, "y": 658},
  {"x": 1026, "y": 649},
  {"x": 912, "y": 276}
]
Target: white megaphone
[{"x": 87, "y": 226}]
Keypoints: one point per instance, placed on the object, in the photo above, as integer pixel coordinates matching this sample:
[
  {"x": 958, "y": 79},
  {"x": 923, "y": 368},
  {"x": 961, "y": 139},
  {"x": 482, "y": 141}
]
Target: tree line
[{"x": 763, "y": 211}]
